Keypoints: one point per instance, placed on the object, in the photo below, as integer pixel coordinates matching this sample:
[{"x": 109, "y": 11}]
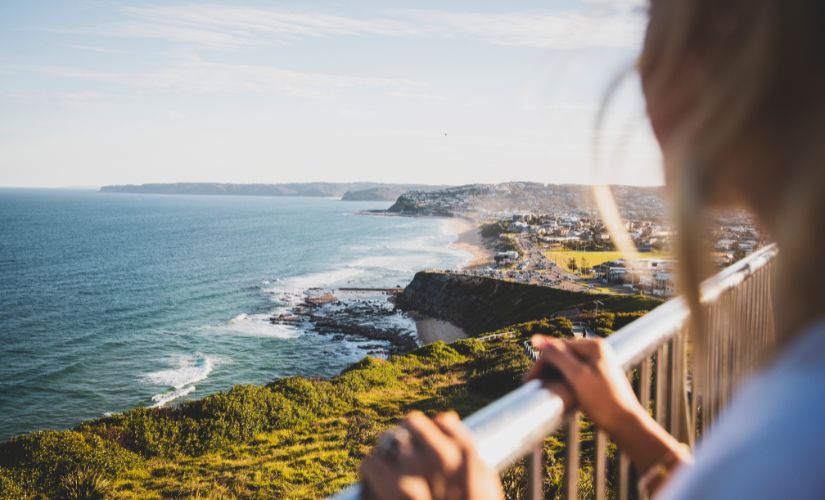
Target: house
[{"x": 506, "y": 257}]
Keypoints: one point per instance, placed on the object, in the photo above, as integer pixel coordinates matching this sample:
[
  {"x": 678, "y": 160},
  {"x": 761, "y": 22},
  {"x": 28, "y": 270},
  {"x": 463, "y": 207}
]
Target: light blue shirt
[{"x": 770, "y": 443}]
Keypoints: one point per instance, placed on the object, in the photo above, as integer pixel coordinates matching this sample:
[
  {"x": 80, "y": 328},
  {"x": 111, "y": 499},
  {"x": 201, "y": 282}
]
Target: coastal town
[
  {"x": 574, "y": 251},
  {"x": 553, "y": 236}
]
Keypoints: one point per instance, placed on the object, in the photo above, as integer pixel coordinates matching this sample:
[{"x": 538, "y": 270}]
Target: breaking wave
[{"x": 181, "y": 379}]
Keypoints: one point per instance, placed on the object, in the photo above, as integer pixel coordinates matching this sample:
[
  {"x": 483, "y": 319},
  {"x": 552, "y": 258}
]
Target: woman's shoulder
[{"x": 770, "y": 442}]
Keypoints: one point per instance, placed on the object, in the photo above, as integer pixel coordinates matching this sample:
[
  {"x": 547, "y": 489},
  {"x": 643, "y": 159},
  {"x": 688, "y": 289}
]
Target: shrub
[
  {"x": 438, "y": 351},
  {"x": 603, "y": 332},
  {"x": 368, "y": 373},
  {"x": 362, "y": 432},
  {"x": 9, "y": 486},
  {"x": 153, "y": 432},
  {"x": 559, "y": 327},
  {"x": 60, "y": 459},
  {"x": 498, "y": 370},
  {"x": 87, "y": 483},
  {"x": 562, "y": 325},
  {"x": 236, "y": 416},
  {"x": 597, "y": 320},
  {"x": 622, "y": 319},
  {"x": 316, "y": 396},
  {"x": 468, "y": 347}
]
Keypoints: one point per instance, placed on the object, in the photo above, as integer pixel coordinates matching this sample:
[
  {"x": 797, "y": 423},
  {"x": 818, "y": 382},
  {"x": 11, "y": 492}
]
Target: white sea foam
[
  {"x": 163, "y": 398},
  {"x": 181, "y": 379},
  {"x": 258, "y": 325},
  {"x": 189, "y": 369}
]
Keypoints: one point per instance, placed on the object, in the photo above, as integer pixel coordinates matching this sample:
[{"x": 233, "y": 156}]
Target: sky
[{"x": 97, "y": 92}]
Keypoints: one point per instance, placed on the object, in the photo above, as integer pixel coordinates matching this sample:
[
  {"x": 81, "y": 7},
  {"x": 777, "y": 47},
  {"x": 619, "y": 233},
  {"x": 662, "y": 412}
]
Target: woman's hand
[
  {"x": 433, "y": 460},
  {"x": 592, "y": 378}
]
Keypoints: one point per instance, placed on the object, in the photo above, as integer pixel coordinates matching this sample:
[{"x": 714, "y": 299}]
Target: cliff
[{"x": 479, "y": 304}]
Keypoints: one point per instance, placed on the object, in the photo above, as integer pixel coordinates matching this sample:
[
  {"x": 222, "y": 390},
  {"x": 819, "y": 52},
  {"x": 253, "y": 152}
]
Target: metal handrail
[{"x": 515, "y": 425}]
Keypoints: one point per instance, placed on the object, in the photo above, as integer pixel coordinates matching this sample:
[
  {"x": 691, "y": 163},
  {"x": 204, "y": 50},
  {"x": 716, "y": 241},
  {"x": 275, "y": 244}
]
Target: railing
[{"x": 738, "y": 323}]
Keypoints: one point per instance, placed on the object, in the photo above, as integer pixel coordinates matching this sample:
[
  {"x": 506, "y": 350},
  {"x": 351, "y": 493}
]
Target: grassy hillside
[{"x": 294, "y": 438}]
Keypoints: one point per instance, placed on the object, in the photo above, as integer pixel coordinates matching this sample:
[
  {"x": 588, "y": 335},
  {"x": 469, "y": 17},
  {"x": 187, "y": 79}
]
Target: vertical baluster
[
  {"x": 673, "y": 387},
  {"x": 535, "y": 473},
  {"x": 712, "y": 367},
  {"x": 572, "y": 483},
  {"x": 750, "y": 330},
  {"x": 624, "y": 477},
  {"x": 706, "y": 374},
  {"x": 694, "y": 368},
  {"x": 644, "y": 384},
  {"x": 661, "y": 383},
  {"x": 731, "y": 356},
  {"x": 718, "y": 341},
  {"x": 644, "y": 399},
  {"x": 600, "y": 465}
]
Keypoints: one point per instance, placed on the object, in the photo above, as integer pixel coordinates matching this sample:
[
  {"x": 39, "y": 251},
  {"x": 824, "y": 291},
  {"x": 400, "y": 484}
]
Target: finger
[
  {"x": 563, "y": 391},
  {"x": 378, "y": 477},
  {"x": 559, "y": 355},
  {"x": 556, "y": 361},
  {"x": 589, "y": 349},
  {"x": 451, "y": 425},
  {"x": 539, "y": 341},
  {"x": 438, "y": 446}
]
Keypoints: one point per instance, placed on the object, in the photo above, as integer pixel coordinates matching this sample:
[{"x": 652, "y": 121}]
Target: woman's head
[{"x": 735, "y": 91}]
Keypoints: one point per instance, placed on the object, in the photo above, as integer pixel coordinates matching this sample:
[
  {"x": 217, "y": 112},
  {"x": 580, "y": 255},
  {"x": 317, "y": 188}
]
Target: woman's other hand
[
  {"x": 432, "y": 459},
  {"x": 593, "y": 378}
]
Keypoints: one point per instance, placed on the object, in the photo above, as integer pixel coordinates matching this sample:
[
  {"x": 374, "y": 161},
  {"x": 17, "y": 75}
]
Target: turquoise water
[{"x": 110, "y": 301}]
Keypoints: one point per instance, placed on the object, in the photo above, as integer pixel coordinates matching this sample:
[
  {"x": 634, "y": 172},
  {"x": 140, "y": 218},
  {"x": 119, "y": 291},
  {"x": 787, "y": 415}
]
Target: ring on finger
[{"x": 390, "y": 442}]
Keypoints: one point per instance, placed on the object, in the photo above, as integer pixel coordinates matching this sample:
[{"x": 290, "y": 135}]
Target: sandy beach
[
  {"x": 470, "y": 241},
  {"x": 432, "y": 330}
]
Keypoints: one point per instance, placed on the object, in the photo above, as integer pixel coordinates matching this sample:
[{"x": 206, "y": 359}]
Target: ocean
[{"x": 111, "y": 301}]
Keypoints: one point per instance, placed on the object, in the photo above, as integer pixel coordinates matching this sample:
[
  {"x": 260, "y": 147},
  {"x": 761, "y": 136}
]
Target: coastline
[{"x": 469, "y": 240}]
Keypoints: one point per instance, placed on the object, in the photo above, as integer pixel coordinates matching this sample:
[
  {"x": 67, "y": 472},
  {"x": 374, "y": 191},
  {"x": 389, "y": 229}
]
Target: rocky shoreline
[{"x": 357, "y": 314}]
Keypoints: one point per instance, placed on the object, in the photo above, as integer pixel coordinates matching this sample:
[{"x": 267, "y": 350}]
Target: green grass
[
  {"x": 562, "y": 257},
  {"x": 296, "y": 438}
]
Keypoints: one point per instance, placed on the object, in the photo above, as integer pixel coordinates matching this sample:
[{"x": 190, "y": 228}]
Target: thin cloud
[
  {"x": 553, "y": 31},
  {"x": 596, "y": 24},
  {"x": 208, "y": 77},
  {"x": 229, "y": 27}
]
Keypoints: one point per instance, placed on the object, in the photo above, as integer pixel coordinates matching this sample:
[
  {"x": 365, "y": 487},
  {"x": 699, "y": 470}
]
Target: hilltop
[
  {"x": 481, "y": 200},
  {"x": 384, "y": 193},
  {"x": 360, "y": 191}
]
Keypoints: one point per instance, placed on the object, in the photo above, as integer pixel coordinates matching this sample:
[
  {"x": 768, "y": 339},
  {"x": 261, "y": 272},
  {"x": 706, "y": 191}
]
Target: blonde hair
[
  {"x": 751, "y": 134},
  {"x": 757, "y": 69}
]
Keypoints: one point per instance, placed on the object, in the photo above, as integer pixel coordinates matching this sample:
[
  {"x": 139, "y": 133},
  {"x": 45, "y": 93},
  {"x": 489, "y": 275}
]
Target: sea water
[{"x": 110, "y": 301}]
